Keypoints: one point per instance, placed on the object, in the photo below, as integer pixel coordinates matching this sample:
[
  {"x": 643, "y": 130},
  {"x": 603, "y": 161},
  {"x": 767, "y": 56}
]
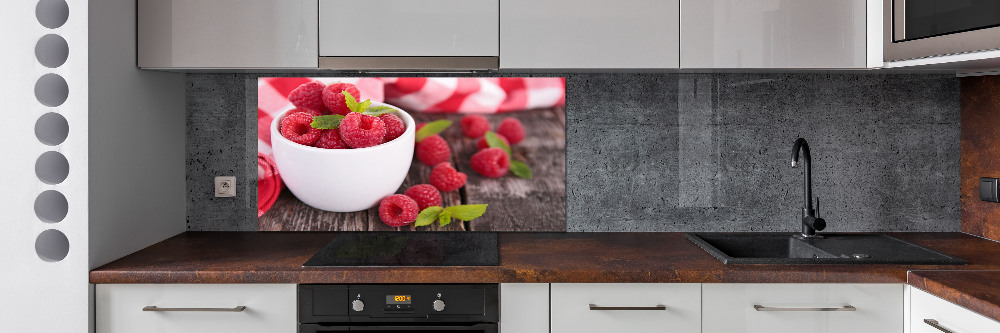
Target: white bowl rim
[{"x": 407, "y": 120}]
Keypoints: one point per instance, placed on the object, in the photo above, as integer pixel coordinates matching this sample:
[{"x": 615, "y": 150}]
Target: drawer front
[
  {"x": 407, "y": 28},
  {"x": 269, "y": 308},
  {"x": 730, "y": 308},
  {"x": 949, "y": 316},
  {"x": 572, "y": 311}
]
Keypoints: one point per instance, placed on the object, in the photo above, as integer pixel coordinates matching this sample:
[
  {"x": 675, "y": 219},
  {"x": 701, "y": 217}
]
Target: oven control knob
[
  {"x": 358, "y": 305},
  {"x": 438, "y": 305}
]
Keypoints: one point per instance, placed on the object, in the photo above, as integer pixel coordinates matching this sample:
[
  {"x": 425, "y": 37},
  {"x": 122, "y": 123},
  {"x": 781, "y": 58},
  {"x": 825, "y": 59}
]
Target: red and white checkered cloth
[{"x": 413, "y": 94}]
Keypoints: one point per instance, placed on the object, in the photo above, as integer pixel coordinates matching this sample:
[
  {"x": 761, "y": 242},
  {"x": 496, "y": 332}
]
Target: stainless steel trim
[
  {"x": 629, "y": 308},
  {"x": 759, "y": 307},
  {"x": 410, "y": 63},
  {"x": 963, "y": 42},
  {"x": 158, "y": 309},
  {"x": 934, "y": 323}
]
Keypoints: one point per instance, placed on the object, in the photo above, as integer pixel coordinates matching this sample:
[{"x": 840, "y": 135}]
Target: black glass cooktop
[{"x": 409, "y": 249}]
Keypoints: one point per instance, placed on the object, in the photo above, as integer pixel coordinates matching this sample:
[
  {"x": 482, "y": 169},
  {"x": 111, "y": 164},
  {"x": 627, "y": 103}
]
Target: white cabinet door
[
  {"x": 774, "y": 34},
  {"x": 956, "y": 319},
  {"x": 626, "y": 307},
  {"x": 269, "y": 308},
  {"x": 227, "y": 34},
  {"x": 794, "y": 308},
  {"x": 524, "y": 308},
  {"x": 589, "y": 34},
  {"x": 406, "y": 28}
]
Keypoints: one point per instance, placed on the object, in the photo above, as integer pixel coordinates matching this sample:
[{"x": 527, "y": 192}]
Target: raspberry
[
  {"x": 475, "y": 126},
  {"x": 446, "y": 178},
  {"x": 398, "y": 210},
  {"x": 482, "y": 144},
  {"x": 308, "y": 96},
  {"x": 333, "y": 97},
  {"x": 425, "y": 195},
  {"x": 394, "y": 127},
  {"x": 330, "y": 139},
  {"x": 512, "y": 129},
  {"x": 361, "y": 131},
  {"x": 491, "y": 162},
  {"x": 433, "y": 150},
  {"x": 297, "y": 127},
  {"x": 311, "y": 112}
]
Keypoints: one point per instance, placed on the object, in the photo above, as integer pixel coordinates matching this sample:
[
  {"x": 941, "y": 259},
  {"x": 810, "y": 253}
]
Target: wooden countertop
[
  {"x": 978, "y": 291},
  {"x": 277, "y": 257}
]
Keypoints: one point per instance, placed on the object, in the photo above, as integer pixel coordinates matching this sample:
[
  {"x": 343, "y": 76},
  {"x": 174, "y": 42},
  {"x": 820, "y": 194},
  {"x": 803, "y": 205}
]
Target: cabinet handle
[
  {"x": 759, "y": 307},
  {"x": 631, "y": 308},
  {"x": 233, "y": 309},
  {"x": 935, "y": 324}
]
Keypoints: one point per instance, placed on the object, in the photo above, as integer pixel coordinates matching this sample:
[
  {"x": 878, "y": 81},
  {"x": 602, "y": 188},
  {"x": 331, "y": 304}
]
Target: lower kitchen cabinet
[
  {"x": 802, "y": 308},
  {"x": 625, "y": 307},
  {"x": 196, "y": 308},
  {"x": 930, "y": 314},
  {"x": 524, "y": 308}
]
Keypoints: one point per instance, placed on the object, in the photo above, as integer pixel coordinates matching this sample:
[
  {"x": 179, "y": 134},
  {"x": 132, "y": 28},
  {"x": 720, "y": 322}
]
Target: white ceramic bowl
[{"x": 343, "y": 180}]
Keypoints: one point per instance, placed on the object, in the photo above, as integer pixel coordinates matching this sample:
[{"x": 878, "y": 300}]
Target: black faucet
[{"x": 810, "y": 222}]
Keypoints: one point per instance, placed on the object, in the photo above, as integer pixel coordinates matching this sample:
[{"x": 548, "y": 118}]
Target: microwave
[{"x": 915, "y": 29}]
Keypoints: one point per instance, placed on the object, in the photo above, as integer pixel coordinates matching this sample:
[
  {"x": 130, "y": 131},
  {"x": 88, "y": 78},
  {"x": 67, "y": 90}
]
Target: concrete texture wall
[{"x": 684, "y": 152}]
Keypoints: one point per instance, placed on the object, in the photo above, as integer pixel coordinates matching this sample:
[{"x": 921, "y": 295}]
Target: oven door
[
  {"x": 472, "y": 328},
  {"x": 927, "y": 28}
]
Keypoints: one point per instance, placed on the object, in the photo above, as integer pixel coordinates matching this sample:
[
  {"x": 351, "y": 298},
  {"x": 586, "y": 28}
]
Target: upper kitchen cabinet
[
  {"x": 404, "y": 34},
  {"x": 582, "y": 34},
  {"x": 220, "y": 34},
  {"x": 780, "y": 34}
]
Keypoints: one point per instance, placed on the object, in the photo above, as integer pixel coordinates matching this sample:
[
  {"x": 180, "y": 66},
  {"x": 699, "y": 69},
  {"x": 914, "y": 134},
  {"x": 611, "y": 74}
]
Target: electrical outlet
[{"x": 225, "y": 186}]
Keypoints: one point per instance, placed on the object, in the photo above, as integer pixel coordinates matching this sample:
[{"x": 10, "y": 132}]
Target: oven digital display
[{"x": 397, "y": 299}]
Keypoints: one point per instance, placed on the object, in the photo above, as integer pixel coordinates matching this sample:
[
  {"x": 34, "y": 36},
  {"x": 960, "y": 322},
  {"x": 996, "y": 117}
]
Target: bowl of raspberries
[{"x": 338, "y": 154}]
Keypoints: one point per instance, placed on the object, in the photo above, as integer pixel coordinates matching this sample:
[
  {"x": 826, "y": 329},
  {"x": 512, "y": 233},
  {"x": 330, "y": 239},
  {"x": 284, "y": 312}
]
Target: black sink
[{"x": 788, "y": 248}]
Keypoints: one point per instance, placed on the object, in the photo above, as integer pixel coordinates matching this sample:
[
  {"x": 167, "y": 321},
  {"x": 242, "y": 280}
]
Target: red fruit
[
  {"x": 475, "y": 126},
  {"x": 446, "y": 178},
  {"x": 308, "y": 96},
  {"x": 512, "y": 129},
  {"x": 425, "y": 195},
  {"x": 330, "y": 139},
  {"x": 311, "y": 112},
  {"x": 333, "y": 97},
  {"x": 398, "y": 210},
  {"x": 394, "y": 127},
  {"x": 361, "y": 131},
  {"x": 482, "y": 144},
  {"x": 297, "y": 127},
  {"x": 433, "y": 150},
  {"x": 491, "y": 162}
]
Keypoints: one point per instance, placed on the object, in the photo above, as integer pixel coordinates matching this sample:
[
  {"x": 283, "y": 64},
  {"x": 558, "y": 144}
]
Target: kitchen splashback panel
[{"x": 683, "y": 152}]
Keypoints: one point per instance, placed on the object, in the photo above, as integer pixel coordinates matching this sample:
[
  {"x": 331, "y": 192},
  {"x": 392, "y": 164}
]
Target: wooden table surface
[
  {"x": 978, "y": 291},
  {"x": 515, "y": 204}
]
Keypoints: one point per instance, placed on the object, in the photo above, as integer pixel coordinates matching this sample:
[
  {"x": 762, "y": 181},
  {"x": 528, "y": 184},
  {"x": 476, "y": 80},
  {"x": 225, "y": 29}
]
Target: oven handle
[{"x": 414, "y": 327}]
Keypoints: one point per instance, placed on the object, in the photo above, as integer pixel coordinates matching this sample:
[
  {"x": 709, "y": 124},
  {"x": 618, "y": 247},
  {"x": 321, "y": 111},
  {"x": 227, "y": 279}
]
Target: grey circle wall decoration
[
  {"x": 52, "y": 13},
  {"x": 52, "y": 167},
  {"x": 51, "y": 50},
  {"x": 51, "y": 90}
]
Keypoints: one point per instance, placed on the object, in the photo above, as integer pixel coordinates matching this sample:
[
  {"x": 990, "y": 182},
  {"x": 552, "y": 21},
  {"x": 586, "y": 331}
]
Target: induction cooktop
[{"x": 409, "y": 249}]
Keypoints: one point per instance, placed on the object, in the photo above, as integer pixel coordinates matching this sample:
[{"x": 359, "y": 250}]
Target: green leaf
[
  {"x": 330, "y": 121},
  {"x": 520, "y": 169},
  {"x": 494, "y": 142},
  {"x": 444, "y": 218},
  {"x": 379, "y": 110},
  {"x": 465, "y": 212},
  {"x": 428, "y": 215},
  {"x": 432, "y": 128},
  {"x": 352, "y": 103}
]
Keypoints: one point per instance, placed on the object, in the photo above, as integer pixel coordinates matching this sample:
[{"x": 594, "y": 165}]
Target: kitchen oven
[
  {"x": 928, "y": 28},
  {"x": 470, "y": 308}
]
